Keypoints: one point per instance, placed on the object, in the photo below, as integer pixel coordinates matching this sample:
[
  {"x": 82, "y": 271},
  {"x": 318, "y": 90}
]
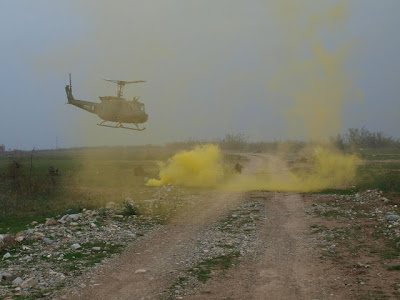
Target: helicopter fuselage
[
  {"x": 116, "y": 109},
  {"x": 112, "y": 109}
]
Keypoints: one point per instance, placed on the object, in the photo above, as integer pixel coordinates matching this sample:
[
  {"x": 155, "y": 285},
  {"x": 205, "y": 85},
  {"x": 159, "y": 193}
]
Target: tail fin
[{"x": 68, "y": 90}]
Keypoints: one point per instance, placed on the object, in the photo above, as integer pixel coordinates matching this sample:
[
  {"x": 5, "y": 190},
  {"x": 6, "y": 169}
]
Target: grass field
[
  {"x": 87, "y": 178},
  {"x": 91, "y": 177},
  {"x": 381, "y": 170}
]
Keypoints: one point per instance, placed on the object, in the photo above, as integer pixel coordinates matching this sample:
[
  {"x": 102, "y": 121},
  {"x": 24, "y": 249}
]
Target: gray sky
[{"x": 209, "y": 65}]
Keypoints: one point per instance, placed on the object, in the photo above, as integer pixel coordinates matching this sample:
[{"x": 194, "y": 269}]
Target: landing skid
[{"x": 120, "y": 125}]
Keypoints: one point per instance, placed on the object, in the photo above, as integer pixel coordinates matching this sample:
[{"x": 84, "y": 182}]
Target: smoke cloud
[
  {"x": 315, "y": 75},
  {"x": 203, "y": 167},
  {"x": 200, "y": 167}
]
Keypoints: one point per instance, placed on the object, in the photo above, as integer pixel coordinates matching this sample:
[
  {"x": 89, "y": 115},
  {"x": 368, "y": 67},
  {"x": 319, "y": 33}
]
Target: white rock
[
  {"x": 392, "y": 217},
  {"x": 63, "y": 220},
  {"x": 7, "y": 255},
  {"x": 47, "y": 241},
  {"x": 30, "y": 282},
  {"x": 96, "y": 248},
  {"x": 19, "y": 238},
  {"x": 50, "y": 222},
  {"x": 17, "y": 281},
  {"x": 39, "y": 234},
  {"x": 140, "y": 271},
  {"x": 93, "y": 225},
  {"x": 76, "y": 246},
  {"x": 74, "y": 217}
]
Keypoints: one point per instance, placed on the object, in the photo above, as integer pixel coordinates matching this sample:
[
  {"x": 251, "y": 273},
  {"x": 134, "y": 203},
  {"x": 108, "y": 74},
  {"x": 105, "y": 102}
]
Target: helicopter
[{"x": 113, "y": 109}]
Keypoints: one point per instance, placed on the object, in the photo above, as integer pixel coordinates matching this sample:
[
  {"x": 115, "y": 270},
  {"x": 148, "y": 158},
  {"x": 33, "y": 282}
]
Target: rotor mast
[{"x": 121, "y": 84}]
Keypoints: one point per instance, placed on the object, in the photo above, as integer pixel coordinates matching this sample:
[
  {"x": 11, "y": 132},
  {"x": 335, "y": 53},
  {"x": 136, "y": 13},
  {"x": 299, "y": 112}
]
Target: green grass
[
  {"x": 86, "y": 257},
  {"x": 202, "y": 271},
  {"x": 388, "y": 253},
  {"x": 318, "y": 229},
  {"x": 377, "y": 173},
  {"x": 335, "y": 214},
  {"x": 376, "y": 154},
  {"x": 89, "y": 178},
  {"x": 14, "y": 224},
  {"x": 383, "y": 179}
]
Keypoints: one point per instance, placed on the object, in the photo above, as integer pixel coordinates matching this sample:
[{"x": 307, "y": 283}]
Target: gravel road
[{"x": 265, "y": 235}]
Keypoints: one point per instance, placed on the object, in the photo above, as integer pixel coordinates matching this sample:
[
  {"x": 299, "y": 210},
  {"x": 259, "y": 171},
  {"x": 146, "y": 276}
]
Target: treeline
[
  {"x": 352, "y": 138},
  {"x": 239, "y": 142},
  {"x": 363, "y": 138}
]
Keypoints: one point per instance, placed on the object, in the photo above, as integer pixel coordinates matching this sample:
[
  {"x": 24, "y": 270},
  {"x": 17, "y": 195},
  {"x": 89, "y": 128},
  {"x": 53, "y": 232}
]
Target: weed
[
  {"x": 388, "y": 254},
  {"x": 334, "y": 214},
  {"x": 7, "y": 242},
  {"x": 318, "y": 229},
  {"x": 202, "y": 271},
  {"x": 130, "y": 209}
]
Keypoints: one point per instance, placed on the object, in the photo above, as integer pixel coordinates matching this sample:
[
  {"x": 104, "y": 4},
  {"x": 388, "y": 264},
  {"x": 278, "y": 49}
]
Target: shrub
[
  {"x": 7, "y": 242},
  {"x": 233, "y": 141},
  {"x": 363, "y": 138},
  {"x": 130, "y": 209}
]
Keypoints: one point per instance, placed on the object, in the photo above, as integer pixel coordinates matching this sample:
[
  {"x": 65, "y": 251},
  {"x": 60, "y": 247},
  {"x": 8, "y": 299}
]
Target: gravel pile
[
  {"x": 368, "y": 205},
  {"x": 47, "y": 256}
]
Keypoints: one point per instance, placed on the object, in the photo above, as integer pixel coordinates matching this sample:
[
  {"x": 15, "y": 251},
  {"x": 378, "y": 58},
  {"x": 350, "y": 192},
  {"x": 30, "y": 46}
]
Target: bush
[
  {"x": 130, "y": 209},
  {"x": 20, "y": 188},
  {"x": 233, "y": 141},
  {"x": 363, "y": 138},
  {"x": 7, "y": 242}
]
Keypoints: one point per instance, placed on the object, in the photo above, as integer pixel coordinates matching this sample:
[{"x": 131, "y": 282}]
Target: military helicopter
[{"x": 113, "y": 109}]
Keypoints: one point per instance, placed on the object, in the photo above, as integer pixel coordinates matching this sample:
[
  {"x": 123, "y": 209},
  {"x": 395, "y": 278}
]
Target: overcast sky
[{"x": 208, "y": 66}]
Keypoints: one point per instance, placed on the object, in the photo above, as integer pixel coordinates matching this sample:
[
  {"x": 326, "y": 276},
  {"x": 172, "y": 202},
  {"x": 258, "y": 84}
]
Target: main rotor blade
[
  {"x": 114, "y": 81},
  {"x": 137, "y": 81},
  {"x": 122, "y": 82}
]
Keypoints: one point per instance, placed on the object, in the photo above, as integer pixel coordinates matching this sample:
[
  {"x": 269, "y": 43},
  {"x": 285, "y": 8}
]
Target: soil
[{"x": 287, "y": 260}]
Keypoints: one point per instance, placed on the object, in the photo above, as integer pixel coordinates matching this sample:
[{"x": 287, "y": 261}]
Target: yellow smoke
[
  {"x": 201, "y": 167},
  {"x": 327, "y": 168},
  {"x": 314, "y": 76}
]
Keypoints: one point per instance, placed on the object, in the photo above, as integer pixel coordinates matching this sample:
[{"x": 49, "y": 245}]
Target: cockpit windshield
[{"x": 136, "y": 106}]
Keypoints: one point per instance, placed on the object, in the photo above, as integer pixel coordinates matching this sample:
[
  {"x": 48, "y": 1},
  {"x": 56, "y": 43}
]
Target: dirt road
[
  {"x": 283, "y": 264},
  {"x": 287, "y": 266}
]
